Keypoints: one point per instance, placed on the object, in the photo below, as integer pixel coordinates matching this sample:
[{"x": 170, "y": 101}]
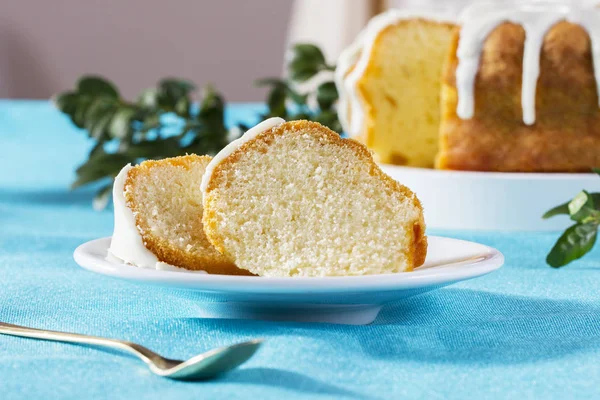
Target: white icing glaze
[
  {"x": 127, "y": 245},
  {"x": 233, "y": 146},
  {"x": 359, "y": 53},
  {"x": 345, "y": 62},
  {"x": 536, "y": 18}
]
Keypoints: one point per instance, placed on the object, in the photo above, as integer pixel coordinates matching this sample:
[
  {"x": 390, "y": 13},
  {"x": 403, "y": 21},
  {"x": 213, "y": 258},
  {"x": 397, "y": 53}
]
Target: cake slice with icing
[
  {"x": 294, "y": 199},
  {"x": 158, "y": 218}
]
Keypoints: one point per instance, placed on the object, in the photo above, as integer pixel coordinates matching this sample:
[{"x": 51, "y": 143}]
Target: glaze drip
[{"x": 537, "y": 19}]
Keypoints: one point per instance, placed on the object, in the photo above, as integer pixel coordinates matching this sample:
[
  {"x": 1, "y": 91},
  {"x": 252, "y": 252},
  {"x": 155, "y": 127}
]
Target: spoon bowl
[
  {"x": 211, "y": 363},
  {"x": 203, "y": 366}
]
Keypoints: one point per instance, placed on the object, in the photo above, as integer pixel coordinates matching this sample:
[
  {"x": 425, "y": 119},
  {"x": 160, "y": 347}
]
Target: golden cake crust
[
  {"x": 416, "y": 252},
  {"x": 566, "y": 134},
  {"x": 210, "y": 260}
]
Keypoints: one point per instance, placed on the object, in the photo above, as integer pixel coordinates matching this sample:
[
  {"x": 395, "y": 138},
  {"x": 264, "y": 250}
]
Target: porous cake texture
[
  {"x": 297, "y": 200},
  {"x": 401, "y": 92},
  {"x": 166, "y": 200}
]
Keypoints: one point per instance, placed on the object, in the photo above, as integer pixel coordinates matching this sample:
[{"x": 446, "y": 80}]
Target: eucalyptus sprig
[
  {"x": 164, "y": 121},
  {"x": 127, "y": 132},
  {"x": 305, "y": 62},
  {"x": 580, "y": 237}
]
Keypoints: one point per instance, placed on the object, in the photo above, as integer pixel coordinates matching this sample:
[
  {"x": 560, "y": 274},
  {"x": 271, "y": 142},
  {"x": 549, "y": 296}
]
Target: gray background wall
[{"x": 46, "y": 44}]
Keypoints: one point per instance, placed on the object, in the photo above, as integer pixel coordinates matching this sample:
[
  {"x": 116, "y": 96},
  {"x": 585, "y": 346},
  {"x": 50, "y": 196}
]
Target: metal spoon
[{"x": 202, "y": 366}]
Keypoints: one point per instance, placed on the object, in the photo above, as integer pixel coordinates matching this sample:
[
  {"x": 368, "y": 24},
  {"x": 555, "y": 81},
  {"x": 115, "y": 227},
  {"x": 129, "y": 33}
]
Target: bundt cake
[
  {"x": 389, "y": 85},
  {"x": 158, "y": 217},
  {"x": 295, "y": 199},
  {"x": 519, "y": 89}
]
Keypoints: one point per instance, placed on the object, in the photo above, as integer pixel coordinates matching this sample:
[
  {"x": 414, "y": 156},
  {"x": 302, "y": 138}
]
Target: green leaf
[
  {"x": 99, "y": 128},
  {"x": 172, "y": 91},
  {"x": 97, "y": 86},
  {"x": 596, "y": 170},
  {"x": 120, "y": 125},
  {"x": 67, "y": 102},
  {"x": 102, "y": 197},
  {"x": 581, "y": 200},
  {"x": 303, "y": 72},
  {"x": 306, "y": 60},
  {"x": 212, "y": 111},
  {"x": 327, "y": 118},
  {"x": 327, "y": 95},
  {"x": 97, "y": 149},
  {"x": 299, "y": 99},
  {"x": 336, "y": 126},
  {"x": 280, "y": 85},
  {"x": 88, "y": 176},
  {"x": 276, "y": 102},
  {"x": 581, "y": 206},
  {"x": 157, "y": 148},
  {"x": 208, "y": 128},
  {"x": 574, "y": 243},
  {"x": 330, "y": 119},
  {"x": 150, "y": 121},
  {"x": 100, "y": 165},
  {"x": 99, "y": 107},
  {"x": 558, "y": 210},
  {"x": 178, "y": 85},
  {"x": 82, "y": 106},
  {"x": 148, "y": 98},
  {"x": 307, "y": 53},
  {"x": 563, "y": 209},
  {"x": 182, "y": 107}
]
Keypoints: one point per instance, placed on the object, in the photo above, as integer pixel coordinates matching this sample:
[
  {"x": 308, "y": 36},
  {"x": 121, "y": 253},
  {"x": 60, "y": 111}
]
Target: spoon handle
[{"x": 23, "y": 331}]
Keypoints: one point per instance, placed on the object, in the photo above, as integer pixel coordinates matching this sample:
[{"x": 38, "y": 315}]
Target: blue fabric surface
[{"x": 526, "y": 331}]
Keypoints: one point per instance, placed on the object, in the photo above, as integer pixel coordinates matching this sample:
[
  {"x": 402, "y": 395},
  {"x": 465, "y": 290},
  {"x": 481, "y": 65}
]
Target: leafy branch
[
  {"x": 306, "y": 61},
  {"x": 127, "y": 132},
  {"x": 580, "y": 237},
  {"x": 164, "y": 121}
]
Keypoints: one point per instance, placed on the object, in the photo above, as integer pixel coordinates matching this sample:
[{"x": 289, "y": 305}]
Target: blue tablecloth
[{"x": 526, "y": 331}]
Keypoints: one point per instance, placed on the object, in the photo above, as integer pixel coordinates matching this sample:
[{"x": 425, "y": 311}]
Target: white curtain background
[{"x": 331, "y": 24}]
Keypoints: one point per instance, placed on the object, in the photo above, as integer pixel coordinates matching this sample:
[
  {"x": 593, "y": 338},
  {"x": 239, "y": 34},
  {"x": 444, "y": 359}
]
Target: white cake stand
[{"x": 492, "y": 200}]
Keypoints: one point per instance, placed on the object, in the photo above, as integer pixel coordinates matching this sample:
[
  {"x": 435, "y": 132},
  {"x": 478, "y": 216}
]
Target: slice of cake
[
  {"x": 158, "y": 217},
  {"x": 294, "y": 199},
  {"x": 389, "y": 85}
]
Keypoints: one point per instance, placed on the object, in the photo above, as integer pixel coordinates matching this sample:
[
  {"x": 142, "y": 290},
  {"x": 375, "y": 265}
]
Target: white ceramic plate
[
  {"x": 346, "y": 300},
  {"x": 492, "y": 200}
]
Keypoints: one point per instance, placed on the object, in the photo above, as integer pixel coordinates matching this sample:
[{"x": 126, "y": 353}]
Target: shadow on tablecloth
[
  {"x": 456, "y": 326},
  {"x": 288, "y": 380}
]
